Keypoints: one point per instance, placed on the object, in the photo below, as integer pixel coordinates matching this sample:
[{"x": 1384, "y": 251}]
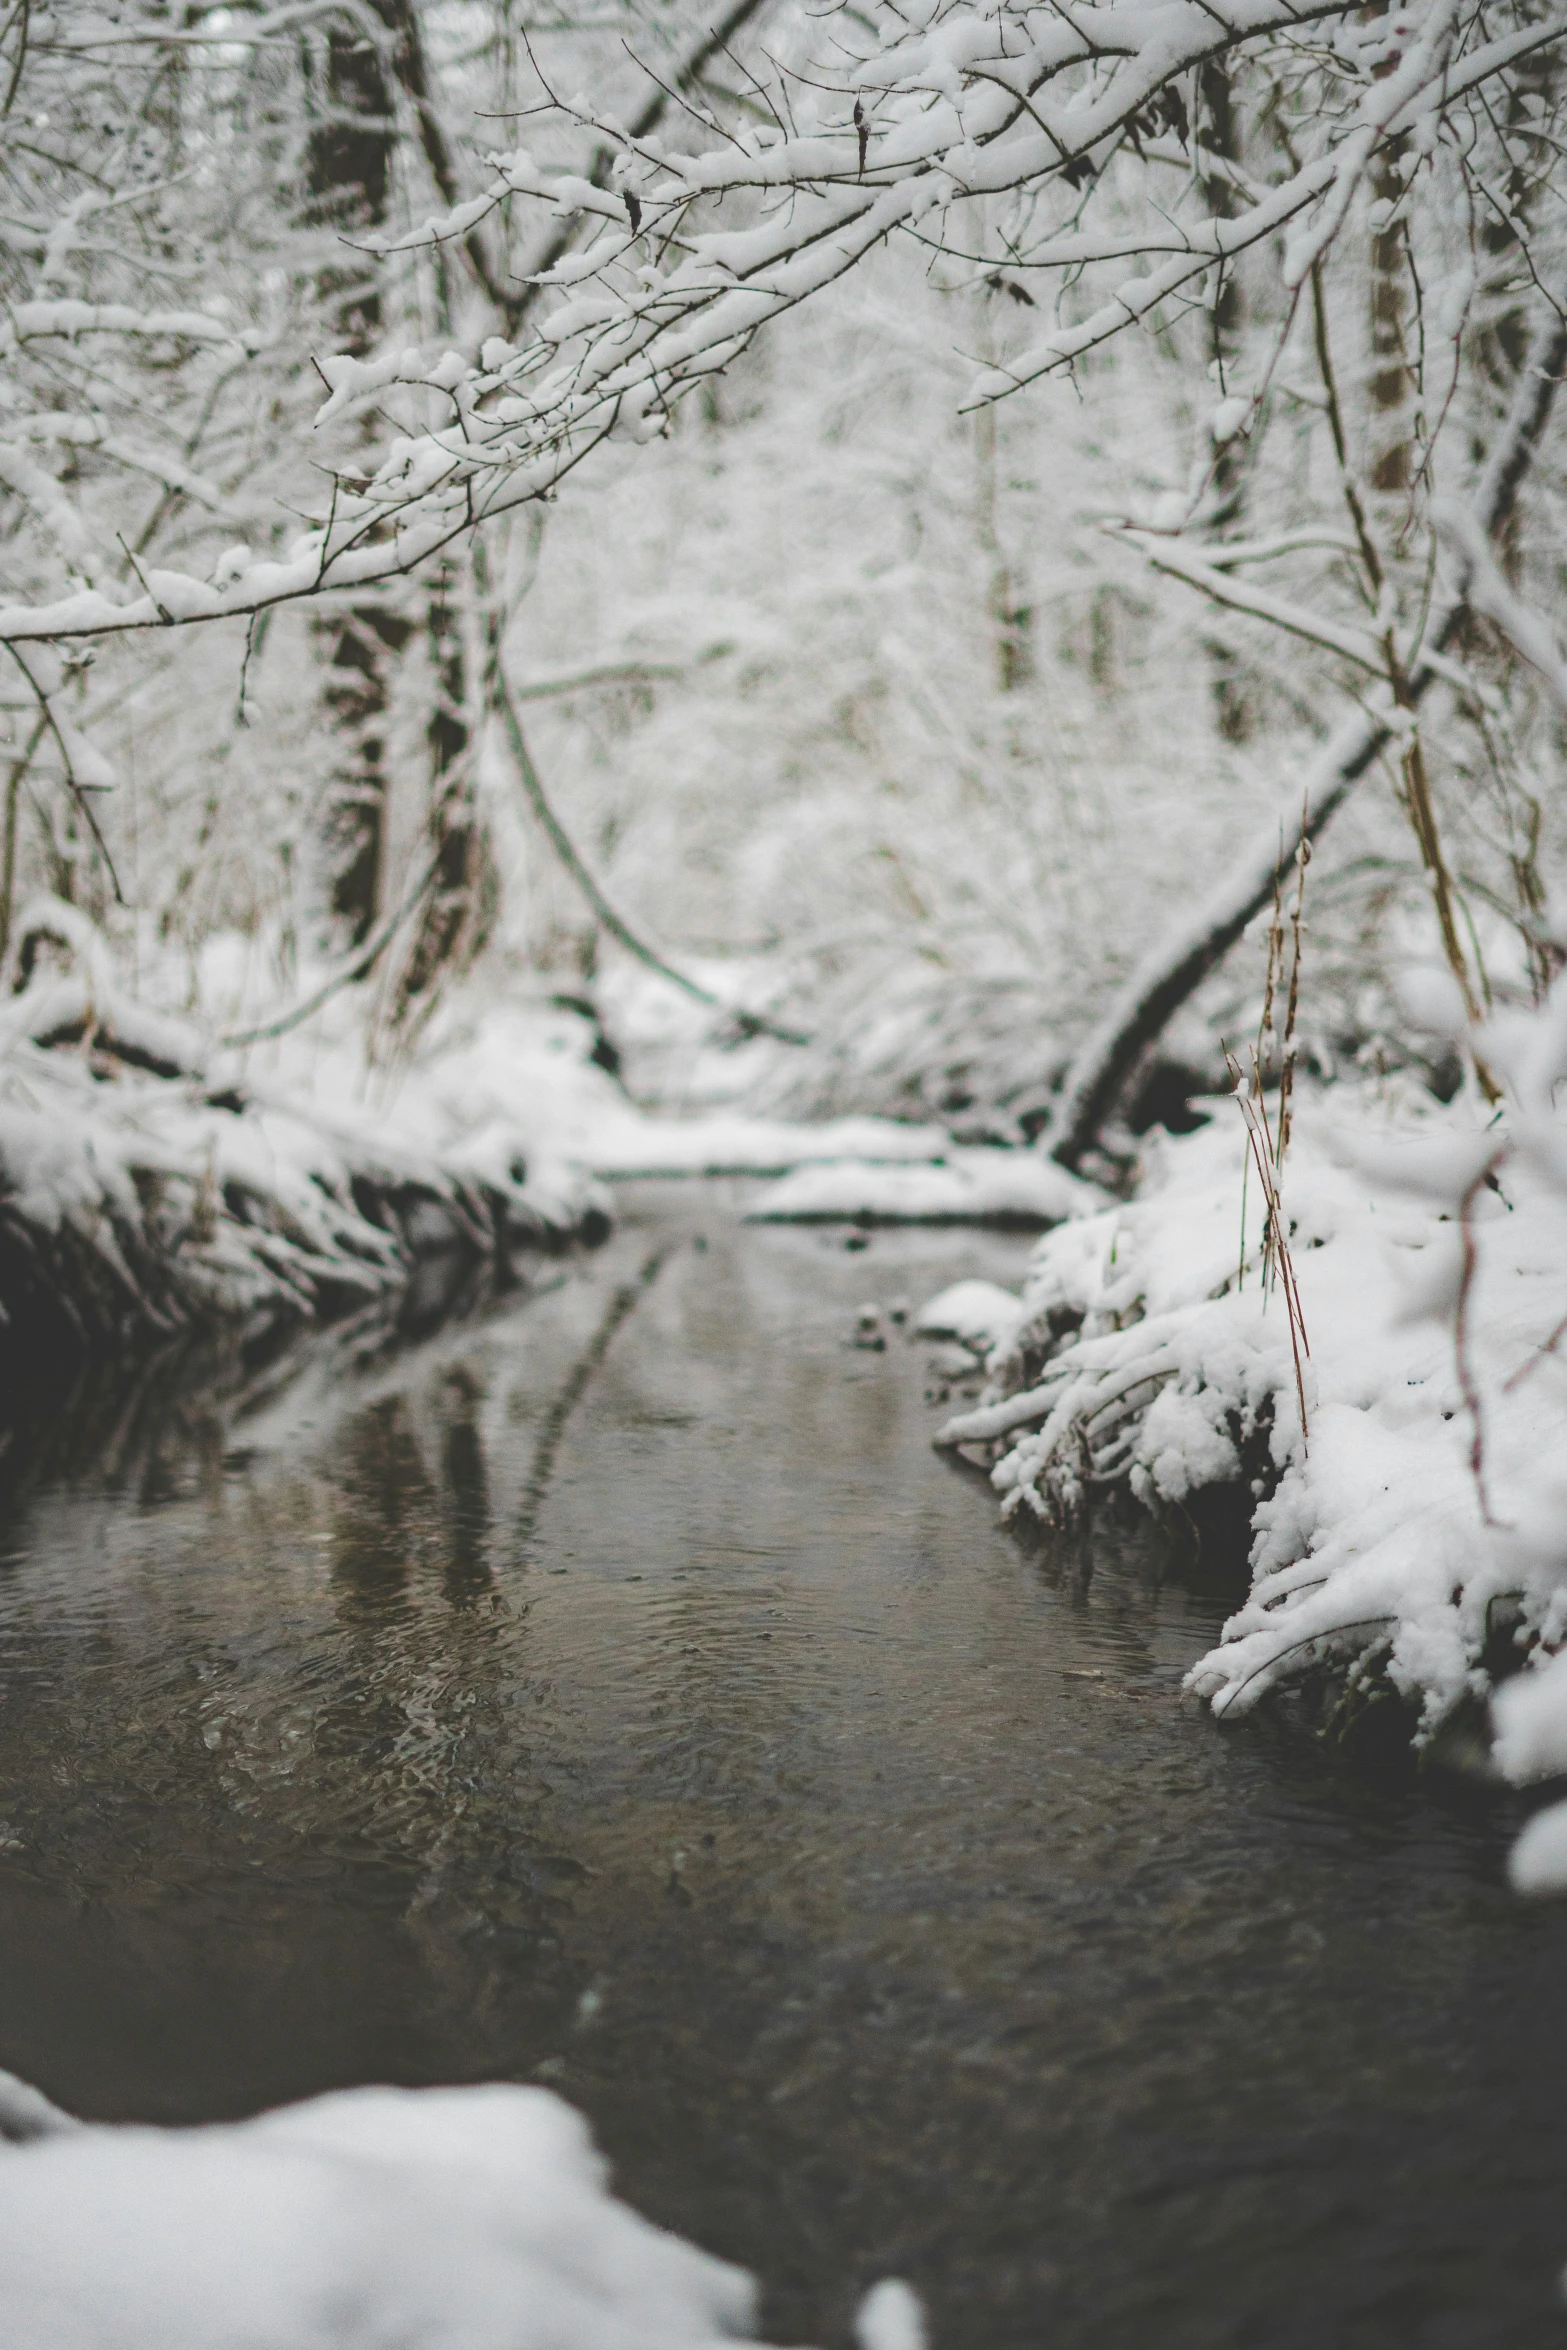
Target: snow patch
[
  {"x": 423, "y": 2217},
  {"x": 981, "y": 1314},
  {"x": 965, "y": 1187},
  {"x": 1147, "y": 1354}
]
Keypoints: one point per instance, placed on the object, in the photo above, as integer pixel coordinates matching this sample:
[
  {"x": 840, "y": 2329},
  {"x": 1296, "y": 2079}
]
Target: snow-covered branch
[
  {"x": 1482, "y": 582},
  {"x": 1168, "y": 977},
  {"x": 1356, "y": 645},
  {"x": 907, "y": 130}
]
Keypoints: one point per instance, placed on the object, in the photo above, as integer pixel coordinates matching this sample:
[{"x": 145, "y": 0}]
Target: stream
[{"x": 614, "y": 1690}]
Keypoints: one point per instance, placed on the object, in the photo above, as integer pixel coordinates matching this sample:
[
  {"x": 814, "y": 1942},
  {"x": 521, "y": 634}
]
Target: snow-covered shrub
[{"x": 1410, "y": 1536}]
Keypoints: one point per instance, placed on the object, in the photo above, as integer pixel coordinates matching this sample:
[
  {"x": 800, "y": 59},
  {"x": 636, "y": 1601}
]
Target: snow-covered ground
[
  {"x": 370, "y": 2219},
  {"x": 153, "y": 1177}
]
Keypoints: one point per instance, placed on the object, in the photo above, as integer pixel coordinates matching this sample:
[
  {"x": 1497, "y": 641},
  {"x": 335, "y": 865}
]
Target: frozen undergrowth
[
  {"x": 394, "y": 2219},
  {"x": 1144, "y": 1359}
]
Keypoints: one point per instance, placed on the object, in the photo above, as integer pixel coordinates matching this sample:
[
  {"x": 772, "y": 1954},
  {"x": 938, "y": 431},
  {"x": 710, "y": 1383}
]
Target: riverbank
[{"x": 1402, "y": 1544}]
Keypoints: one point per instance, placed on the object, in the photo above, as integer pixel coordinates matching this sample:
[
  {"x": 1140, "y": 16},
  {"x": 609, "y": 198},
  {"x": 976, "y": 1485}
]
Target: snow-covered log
[{"x": 133, "y": 1205}]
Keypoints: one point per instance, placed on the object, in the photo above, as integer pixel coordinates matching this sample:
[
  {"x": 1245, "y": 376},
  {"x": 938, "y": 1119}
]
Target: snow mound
[
  {"x": 150, "y": 1181},
  {"x": 425, "y": 2219},
  {"x": 1015, "y": 1188},
  {"x": 979, "y": 1314},
  {"x": 891, "y": 2318}
]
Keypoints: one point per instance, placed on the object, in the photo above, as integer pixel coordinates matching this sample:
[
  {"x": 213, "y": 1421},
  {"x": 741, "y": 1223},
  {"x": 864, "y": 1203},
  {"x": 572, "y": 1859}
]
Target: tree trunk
[
  {"x": 1219, "y": 135},
  {"x": 348, "y": 178},
  {"x": 1392, "y": 386},
  {"x": 455, "y": 916}
]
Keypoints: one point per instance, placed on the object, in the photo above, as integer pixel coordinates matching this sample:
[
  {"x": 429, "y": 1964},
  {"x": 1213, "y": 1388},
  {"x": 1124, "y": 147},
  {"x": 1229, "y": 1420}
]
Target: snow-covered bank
[
  {"x": 424, "y": 2218},
  {"x": 151, "y": 1181},
  {"x": 950, "y": 1185},
  {"x": 628, "y": 1143},
  {"x": 1387, "y": 1544}
]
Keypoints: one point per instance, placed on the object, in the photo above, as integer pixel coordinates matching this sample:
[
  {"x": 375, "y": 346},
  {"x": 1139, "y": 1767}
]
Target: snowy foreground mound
[
  {"x": 373, "y": 2219},
  {"x": 1412, "y": 1538}
]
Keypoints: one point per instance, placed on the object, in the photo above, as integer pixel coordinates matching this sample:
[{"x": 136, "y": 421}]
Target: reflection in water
[
  {"x": 467, "y": 1571},
  {"x": 617, "y": 1691},
  {"x": 622, "y": 1302}
]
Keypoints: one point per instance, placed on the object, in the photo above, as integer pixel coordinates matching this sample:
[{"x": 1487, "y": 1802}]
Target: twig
[
  {"x": 1461, "y": 1359},
  {"x": 749, "y": 1023},
  {"x": 355, "y": 968},
  {"x": 1276, "y": 1248}
]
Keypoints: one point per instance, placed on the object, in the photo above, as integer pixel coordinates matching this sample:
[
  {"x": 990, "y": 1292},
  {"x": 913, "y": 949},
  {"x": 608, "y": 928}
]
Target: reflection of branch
[{"x": 625, "y": 1300}]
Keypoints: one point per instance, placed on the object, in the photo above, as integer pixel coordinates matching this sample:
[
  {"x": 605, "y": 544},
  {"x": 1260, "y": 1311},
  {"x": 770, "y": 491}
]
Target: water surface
[{"x": 616, "y": 1691}]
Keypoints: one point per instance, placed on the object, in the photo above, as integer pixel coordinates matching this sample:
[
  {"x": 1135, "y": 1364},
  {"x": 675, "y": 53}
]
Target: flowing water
[{"x": 616, "y": 1691}]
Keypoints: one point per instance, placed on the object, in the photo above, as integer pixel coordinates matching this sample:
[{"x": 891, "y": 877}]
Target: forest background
[{"x": 907, "y": 714}]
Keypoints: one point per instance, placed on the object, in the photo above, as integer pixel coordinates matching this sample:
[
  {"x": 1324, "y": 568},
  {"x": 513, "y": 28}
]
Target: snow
[
  {"x": 427, "y": 2219},
  {"x": 962, "y": 1187},
  {"x": 981, "y": 1314},
  {"x": 1143, "y": 1358},
  {"x": 514, "y": 1065},
  {"x": 890, "y": 2318},
  {"x": 624, "y": 1142},
  {"x": 1538, "y": 1861},
  {"x": 149, "y": 1177},
  {"x": 368, "y": 2219},
  {"x": 191, "y": 1178}
]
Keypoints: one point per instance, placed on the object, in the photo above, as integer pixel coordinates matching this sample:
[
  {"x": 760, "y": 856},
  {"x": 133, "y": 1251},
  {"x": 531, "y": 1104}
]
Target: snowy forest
[{"x": 914, "y": 651}]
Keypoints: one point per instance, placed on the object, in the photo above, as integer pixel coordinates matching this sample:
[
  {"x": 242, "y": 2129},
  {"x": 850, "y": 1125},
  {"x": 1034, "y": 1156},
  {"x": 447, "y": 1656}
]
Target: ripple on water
[{"x": 623, "y": 1694}]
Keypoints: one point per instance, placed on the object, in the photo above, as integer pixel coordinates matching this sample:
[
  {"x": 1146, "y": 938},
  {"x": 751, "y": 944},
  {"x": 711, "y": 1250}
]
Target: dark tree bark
[
  {"x": 348, "y": 178},
  {"x": 365, "y": 648},
  {"x": 1219, "y": 136},
  {"x": 456, "y": 912}
]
